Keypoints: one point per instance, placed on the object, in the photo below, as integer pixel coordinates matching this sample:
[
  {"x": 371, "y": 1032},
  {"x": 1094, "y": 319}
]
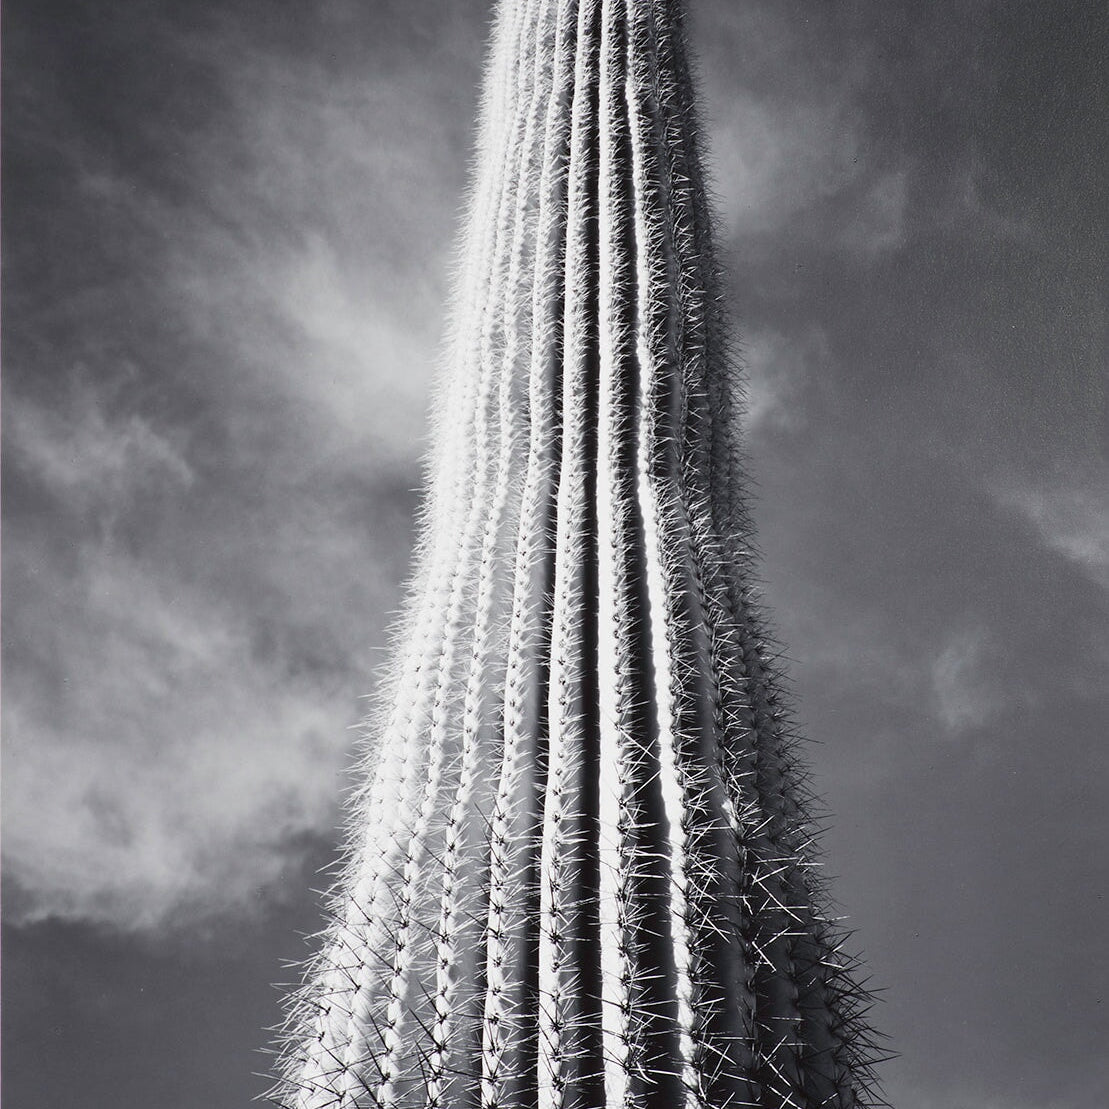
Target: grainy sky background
[{"x": 228, "y": 234}]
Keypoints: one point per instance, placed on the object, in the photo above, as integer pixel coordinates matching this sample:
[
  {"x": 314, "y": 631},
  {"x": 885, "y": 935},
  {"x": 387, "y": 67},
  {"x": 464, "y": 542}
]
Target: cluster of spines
[{"x": 580, "y": 872}]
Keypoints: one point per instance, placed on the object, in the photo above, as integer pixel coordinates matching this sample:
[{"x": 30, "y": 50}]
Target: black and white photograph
[{"x": 555, "y": 554}]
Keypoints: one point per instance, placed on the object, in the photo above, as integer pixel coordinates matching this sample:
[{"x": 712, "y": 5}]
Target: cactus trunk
[{"x": 580, "y": 868}]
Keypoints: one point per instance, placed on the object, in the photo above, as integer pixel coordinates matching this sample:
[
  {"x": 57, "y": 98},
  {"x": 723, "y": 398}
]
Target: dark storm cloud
[{"x": 227, "y": 232}]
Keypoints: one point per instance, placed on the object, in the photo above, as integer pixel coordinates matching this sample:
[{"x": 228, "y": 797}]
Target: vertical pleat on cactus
[{"x": 580, "y": 870}]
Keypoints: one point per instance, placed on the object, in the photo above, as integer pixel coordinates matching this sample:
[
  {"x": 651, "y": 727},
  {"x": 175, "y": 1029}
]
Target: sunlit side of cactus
[{"x": 580, "y": 869}]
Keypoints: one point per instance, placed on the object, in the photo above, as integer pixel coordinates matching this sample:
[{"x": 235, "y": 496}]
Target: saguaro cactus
[{"x": 579, "y": 872}]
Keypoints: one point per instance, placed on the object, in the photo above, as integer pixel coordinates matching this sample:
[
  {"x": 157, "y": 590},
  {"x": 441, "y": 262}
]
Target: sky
[{"x": 228, "y": 235}]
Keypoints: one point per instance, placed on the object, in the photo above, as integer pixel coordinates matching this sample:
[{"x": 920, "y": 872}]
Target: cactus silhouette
[{"x": 580, "y": 870}]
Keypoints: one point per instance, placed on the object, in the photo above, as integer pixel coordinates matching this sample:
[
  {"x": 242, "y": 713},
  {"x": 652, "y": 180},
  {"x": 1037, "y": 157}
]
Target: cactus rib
[{"x": 581, "y": 869}]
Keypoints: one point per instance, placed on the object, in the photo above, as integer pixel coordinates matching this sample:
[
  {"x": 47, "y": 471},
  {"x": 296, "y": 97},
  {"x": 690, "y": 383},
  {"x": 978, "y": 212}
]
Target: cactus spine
[{"x": 580, "y": 869}]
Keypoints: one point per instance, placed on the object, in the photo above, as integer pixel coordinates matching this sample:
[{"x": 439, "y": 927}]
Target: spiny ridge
[{"x": 580, "y": 871}]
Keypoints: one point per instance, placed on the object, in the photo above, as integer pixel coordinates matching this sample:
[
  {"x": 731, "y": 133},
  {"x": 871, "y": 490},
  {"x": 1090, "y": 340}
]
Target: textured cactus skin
[{"x": 580, "y": 870}]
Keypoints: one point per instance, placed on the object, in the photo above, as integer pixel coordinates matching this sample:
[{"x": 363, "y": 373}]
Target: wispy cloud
[
  {"x": 781, "y": 370},
  {"x": 792, "y": 155},
  {"x": 1070, "y": 516},
  {"x": 877, "y": 222},
  {"x": 964, "y": 694},
  {"x": 169, "y": 770},
  {"x": 180, "y": 677},
  {"x": 214, "y": 462},
  {"x": 87, "y": 447},
  {"x": 795, "y": 159}
]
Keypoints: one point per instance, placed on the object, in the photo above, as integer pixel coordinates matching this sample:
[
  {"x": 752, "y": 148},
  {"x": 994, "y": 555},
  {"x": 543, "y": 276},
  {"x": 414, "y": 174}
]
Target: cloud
[
  {"x": 774, "y": 160},
  {"x": 320, "y": 252},
  {"x": 877, "y": 222},
  {"x": 781, "y": 371},
  {"x": 180, "y": 677},
  {"x": 968, "y": 211},
  {"x": 88, "y": 447},
  {"x": 185, "y": 649},
  {"x": 960, "y": 682},
  {"x": 788, "y": 140},
  {"x": 212, "y": 453},
  {"x": 1070, "y": 515},
  {"x": 168, "y": 772},
  {"x": 363, "y": 372}
]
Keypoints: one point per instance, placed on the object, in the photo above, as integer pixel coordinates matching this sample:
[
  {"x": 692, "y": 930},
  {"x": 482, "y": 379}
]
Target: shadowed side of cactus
[{"x": 580, "y": 868}]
